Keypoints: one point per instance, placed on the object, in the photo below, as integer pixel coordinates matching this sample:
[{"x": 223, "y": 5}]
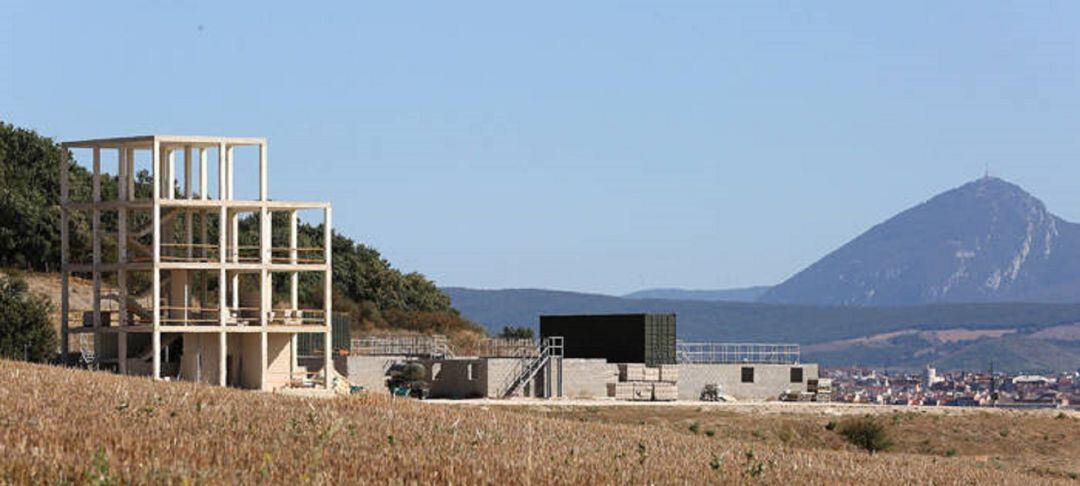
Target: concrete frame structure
[{"x": 182, "y": 265}]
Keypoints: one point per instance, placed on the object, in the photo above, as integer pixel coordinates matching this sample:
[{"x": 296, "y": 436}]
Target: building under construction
[
  {"x": 622, "y": 357},
  {"x": 186, "y": 261}
]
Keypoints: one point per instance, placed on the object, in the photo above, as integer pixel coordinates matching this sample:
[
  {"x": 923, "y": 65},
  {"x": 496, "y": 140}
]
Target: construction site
[
  {"x": 185, "y": 286},
  {"x": 626, "y": 357},
  {"x": 194, "y": 284}
]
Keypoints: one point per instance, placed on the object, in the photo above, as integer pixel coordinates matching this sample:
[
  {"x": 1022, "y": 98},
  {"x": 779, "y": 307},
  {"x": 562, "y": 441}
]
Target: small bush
[
  {"x": 695, "y": 427},
  {"x": 951, "y": 452},
  {"x": 866, "y": 433},
  {"x": 25, "y": 330}
]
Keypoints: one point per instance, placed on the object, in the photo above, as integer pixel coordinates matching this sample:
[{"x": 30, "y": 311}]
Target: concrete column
[
  {"x": 203, "y": 180},
  {"x": 121, "y": 350},
  {"x": 156, "y": 271},
  {"x": 294, "y": 290},
  {"x": 64, "y": 250},
  {"x": 263, "y": 188},
  {"x": 95, "y": 228},
  {"x": 189, "y": 237},
  {"x": 328, "y": 290},
  {"x": 229, "y": 172},
  {"x": 263, "y": 362},
  {"x": 130, "y": 174},
  {"x": 121, "y": 258},
  {"x": 223, "y": 354}
]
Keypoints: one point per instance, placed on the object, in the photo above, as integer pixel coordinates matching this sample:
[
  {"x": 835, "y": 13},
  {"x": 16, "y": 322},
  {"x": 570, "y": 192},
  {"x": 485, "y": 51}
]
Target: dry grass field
[{"x": 59, "y": 425}]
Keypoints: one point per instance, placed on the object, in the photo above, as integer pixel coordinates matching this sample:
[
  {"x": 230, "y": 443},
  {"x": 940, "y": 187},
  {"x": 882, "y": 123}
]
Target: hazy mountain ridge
[
  {"x": 985, "y": 241},
  {"x": 741, "y": 294},
  {"x": 803, "y": 324}
]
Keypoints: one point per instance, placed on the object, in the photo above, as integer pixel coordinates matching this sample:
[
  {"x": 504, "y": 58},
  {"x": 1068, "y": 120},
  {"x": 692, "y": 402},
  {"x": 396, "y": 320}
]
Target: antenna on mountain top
[{"x": 986, "y": 173}]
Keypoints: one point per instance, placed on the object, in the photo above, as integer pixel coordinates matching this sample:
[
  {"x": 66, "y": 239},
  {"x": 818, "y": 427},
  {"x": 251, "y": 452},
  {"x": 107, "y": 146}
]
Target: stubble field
[{"x": 59, "y": 425}]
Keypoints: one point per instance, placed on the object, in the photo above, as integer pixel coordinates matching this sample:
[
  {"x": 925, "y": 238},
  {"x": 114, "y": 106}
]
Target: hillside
[
  {"x": 985, "y": 241},
  {"x": 377, "y": 295},
  {"x": 806, "y": 325},
  {"x": 64, "y": 426},
  {"x": 744, "y": 294}
]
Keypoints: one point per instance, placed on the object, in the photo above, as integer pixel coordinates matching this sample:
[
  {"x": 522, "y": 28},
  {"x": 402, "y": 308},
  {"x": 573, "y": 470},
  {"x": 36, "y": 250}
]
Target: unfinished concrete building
[
  {"x": 618, "y": 356},
  {"x": 184, "y": 268}
]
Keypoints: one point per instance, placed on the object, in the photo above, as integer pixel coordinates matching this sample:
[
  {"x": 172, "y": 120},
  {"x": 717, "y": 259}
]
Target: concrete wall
[
  {"x": 588, "y": 378},
  {"x": 770, "y": 380},
  {"x": 370, "y": 371},
  {"x": 279, "y": 360},
  {"x": 457, "y": 378},
  {"x": 200, "y": 359},
  {"x": 244, "y": 352}
]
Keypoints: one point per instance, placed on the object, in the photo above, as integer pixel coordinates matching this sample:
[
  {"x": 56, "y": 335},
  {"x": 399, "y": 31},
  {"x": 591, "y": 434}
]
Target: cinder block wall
[
  {"x": 456, "y": 378},
  {"x": 770, "y": 380},
  {"x": 588, "y": 378},
  {"x": 370, "y": 371}
]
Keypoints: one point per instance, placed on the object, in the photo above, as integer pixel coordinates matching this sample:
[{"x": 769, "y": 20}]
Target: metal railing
[
  {"x": 507, "y": 348},
  {"x": 711, "y": 352},
  {"x": 550, "y": 347},
  {"x": 436, "y": 346}
]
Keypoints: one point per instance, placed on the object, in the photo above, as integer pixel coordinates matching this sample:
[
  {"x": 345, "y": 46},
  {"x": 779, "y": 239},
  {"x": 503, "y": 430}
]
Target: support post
[
  {"x": 189, "y": 237},
  {"x": 223, "y": 357},
  {"x": 294, "y": 292},
  {"x": 95, "y": 228},
  {"x": 121, "y": 259},
  {"x": 328, "y": 290},
  {"x": 263, "y": 188},
  {"x": 156, "y": 245},
  {"x": 64, "y": 249},
  {"x": 203, "y": 171}
]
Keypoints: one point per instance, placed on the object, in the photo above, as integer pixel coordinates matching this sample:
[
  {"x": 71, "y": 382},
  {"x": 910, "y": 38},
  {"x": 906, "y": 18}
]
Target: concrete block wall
[
  {"x": 588, "y": 378},
  {"x": 457, "y": 378},
  {"x": 770, "y": 380},
  {"x": 370, "y": 371}
]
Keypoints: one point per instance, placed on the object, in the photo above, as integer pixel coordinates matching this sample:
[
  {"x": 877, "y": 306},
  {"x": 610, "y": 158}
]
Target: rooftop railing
[{"x": 711, "y": 352}]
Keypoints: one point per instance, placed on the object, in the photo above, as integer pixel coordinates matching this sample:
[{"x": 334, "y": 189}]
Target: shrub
[
  {"x": 25, "y": 330},
  {"x": 866, "y": 433}
]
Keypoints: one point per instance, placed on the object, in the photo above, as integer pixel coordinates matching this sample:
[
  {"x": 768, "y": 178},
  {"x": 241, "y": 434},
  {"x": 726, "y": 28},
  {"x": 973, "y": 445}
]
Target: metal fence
[
  {"x": 709, "y": 352},
  {"x": 309, "y": 344}
]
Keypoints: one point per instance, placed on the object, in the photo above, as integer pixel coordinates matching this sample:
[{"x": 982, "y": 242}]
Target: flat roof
[{"x": 146, "y": 141}]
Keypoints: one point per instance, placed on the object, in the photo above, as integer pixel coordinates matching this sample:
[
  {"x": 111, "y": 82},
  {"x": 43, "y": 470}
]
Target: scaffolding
[{"x": 714, "y": 352}]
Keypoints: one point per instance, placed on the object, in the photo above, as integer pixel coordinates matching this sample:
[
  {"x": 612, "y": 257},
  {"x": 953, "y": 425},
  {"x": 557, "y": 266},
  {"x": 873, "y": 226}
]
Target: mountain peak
[{"x": 987, "y": 240}]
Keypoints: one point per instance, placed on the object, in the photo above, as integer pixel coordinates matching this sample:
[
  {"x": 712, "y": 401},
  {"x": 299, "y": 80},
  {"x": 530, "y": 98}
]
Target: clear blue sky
[{"x": 590, "y": 146}]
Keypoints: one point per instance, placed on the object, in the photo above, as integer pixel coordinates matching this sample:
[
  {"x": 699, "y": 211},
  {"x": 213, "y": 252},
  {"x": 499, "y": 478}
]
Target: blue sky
[{"x": 596, "y": 146}]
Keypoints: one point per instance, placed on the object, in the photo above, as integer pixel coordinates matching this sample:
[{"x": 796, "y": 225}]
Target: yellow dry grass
[{"x": 59, "y": 425}]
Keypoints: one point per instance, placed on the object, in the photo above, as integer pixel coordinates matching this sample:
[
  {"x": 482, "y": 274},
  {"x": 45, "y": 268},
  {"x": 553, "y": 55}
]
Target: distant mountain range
[
  {"x": 1037, "y": 336},
  {"x": 745, "y": 294},
  {"x": 979, "y": 272},
  {"x": 985, "y": 241}
]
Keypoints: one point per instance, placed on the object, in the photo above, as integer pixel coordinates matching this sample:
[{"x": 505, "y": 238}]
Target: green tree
[
  {"x": 25, "y": 330},
  {"x": 512, "y": 332}
]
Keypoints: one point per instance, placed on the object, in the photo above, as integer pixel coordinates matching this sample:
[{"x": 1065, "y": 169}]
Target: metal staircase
[
  {"x": 87, "y": 353},
  {"x": 550, "y": 348}
]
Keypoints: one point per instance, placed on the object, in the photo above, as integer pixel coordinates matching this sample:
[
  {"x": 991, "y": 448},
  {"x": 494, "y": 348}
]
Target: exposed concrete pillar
[
  {"x": 328, "y": 291},
  {"x": 156, "y": 270}
]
